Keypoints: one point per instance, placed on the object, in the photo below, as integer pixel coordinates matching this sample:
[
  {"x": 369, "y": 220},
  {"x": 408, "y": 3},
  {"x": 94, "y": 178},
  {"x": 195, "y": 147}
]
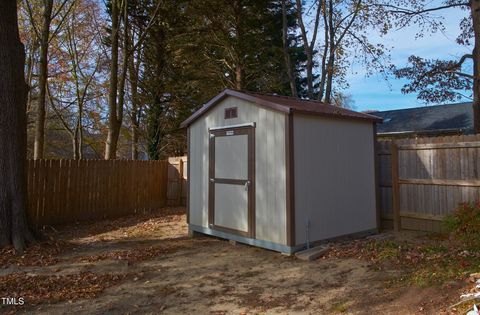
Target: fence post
[
  {"x": 180, "y": 181},
  {"x": 395, "y": 189}
]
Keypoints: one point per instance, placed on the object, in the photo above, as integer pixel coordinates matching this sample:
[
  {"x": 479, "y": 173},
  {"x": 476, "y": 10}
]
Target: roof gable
[{"x": 284, "y": 104}]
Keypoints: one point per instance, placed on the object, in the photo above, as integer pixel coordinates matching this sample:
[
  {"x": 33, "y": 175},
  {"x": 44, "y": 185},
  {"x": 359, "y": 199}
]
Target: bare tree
[
  {"x": 78, "y": 57},
  {"x": 337, "y": 30},
  {"x": 438, "y": 80},
  {"x": 13, "y": 138},
  {"x": 116, "y": 96},
  {"x": 309, "y": 46},
  {"x": 115, "y": 111},
  {"x": 136, "y": 108},
  {"x": 345, "y": 39},
  {"x": 286, "y": 51},
  {"x": 44, "y": 36}
]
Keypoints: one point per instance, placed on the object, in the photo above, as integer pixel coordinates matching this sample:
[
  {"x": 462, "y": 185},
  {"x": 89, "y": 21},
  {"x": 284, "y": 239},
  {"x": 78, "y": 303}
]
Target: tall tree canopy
[
  {"x": 115, "y": 79},
  {"x": 437, "y": 80},
  {"x": 202, "y": 47}
]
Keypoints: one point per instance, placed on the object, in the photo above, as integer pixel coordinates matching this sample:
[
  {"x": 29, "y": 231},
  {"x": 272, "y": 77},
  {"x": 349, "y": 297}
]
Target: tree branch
[
  {"x": 30, "y": 15},
  {"x": 60, "y": 24},
  {"x": 464, "y": 57},
  {"x": 300, "y": 22},
  {"x": 357, "y": 9},
  {"x": 315, "y": 29},
  {"x": 462, "y": 74},
  {"x": 145, "y": 31},
  {"x": 399, "y": 10},
  {"x": 57, "y": 112},
  {"x": 60, "y": 9}
]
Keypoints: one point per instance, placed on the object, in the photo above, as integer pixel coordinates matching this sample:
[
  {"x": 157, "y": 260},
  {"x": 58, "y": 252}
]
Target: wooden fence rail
[
  {"x": 422, "y": 180},
  {"x": 65, "y": 191}
]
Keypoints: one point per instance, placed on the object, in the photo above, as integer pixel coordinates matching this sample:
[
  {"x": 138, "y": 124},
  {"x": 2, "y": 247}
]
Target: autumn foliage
[{"x": 464, "y": 224}]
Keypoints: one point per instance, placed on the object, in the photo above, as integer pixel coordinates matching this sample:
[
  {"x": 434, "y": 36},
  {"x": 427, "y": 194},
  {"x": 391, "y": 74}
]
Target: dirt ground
[{"x": 147, "y": 264}]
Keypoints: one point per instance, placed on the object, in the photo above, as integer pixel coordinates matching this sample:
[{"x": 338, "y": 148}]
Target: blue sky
[{"x": 374, "y": 93}]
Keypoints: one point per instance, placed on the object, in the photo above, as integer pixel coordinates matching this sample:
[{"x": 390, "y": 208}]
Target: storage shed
[{"x": 280, "y": 172}]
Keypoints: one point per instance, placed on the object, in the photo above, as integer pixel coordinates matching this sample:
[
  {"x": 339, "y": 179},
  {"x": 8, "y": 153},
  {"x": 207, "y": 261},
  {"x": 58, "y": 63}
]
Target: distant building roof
[{"x": 448, "y": 118}]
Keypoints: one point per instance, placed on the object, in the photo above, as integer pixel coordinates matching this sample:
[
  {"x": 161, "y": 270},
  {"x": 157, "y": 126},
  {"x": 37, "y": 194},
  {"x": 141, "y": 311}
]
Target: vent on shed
[{"x": 231, "y": 112}]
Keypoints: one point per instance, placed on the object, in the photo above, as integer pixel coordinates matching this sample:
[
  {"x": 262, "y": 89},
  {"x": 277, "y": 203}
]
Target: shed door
[{"x": 231, "y": 187}]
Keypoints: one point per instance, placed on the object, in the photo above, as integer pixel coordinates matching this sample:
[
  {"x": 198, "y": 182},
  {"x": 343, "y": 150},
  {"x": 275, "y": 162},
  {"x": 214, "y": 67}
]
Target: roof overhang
[
  {"x": 225, "y": 93},
  {"x": 267, "y": 104}
]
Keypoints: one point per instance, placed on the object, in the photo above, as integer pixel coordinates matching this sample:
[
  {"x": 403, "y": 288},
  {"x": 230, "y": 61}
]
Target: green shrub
[{"x": 464, "y": 224}]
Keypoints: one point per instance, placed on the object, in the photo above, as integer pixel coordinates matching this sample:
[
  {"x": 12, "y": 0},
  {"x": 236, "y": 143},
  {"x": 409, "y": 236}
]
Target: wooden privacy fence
[
  {"x": 65, "y": 191},
  {"x": 177, "y": 181},
  {"x": 422, "y": 180}
]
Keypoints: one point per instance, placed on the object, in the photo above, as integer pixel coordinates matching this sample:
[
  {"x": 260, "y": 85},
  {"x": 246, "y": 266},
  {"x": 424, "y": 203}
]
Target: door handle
[
  {"x": 247, "y": 183},
  {"x": 212, "y": 180}
]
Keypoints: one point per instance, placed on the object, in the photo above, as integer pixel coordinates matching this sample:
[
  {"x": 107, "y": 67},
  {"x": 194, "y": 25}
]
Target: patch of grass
[
  {"x": 388, "y": 253},
  {"x": 339, "y": 307},
  {"x": 445, "y": 268},
  {"x": 384, "y": 250},
  {"x": 434, "y": 249}
]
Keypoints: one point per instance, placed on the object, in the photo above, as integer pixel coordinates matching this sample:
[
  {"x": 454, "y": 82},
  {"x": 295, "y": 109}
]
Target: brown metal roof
[{"x": 284, "y": 104}]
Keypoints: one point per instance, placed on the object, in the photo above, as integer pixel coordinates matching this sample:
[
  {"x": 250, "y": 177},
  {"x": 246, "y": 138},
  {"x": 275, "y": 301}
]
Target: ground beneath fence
[{"x": 147, "y": 264}]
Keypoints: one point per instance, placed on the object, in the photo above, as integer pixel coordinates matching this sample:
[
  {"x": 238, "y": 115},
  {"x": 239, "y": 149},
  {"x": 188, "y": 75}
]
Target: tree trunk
[
  {"x": 331, "y": 56},
  {"x": 75, "y": 143},
  {"x": 323, "y": 75},
  {"x": 238, "y": 47},
  {"x": 134, "y": 117},
  {"x": 113, "y": 126},
  {"x": 308, "y": 48},
  {"x": 76, "y": 154},
  {"x": 475, "y": 11},
  {"x": 39, "y": 144},
  {"x": 238, "y": 77},
  {"x": 135, "y": 141},
  {"x": 328, "y": 88},
  {"x": 13, "y": 132},
  {"x": 286, "y": 51},
  {"x": 80, "y": 132},
  {"x": 112, "y": 140},
  {"x": 30, "y": 66},
  {"x": 309, "y": 53}
]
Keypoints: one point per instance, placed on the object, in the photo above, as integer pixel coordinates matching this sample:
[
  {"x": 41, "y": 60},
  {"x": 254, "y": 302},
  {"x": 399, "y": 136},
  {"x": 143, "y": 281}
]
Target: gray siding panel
[
  {"x": 334, "y": 177},
  {"x": 270, "y": 183}
]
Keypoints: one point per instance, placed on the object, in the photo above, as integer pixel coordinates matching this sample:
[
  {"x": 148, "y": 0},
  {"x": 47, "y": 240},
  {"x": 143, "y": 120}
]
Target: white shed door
[{"x": 231, "y": 180}]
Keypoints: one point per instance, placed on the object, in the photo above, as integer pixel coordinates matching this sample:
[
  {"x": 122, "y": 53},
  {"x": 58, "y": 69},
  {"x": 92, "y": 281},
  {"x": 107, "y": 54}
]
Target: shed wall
[
  {"x": 334, "y": 177},
  {"x": 270, "y": 185}
]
